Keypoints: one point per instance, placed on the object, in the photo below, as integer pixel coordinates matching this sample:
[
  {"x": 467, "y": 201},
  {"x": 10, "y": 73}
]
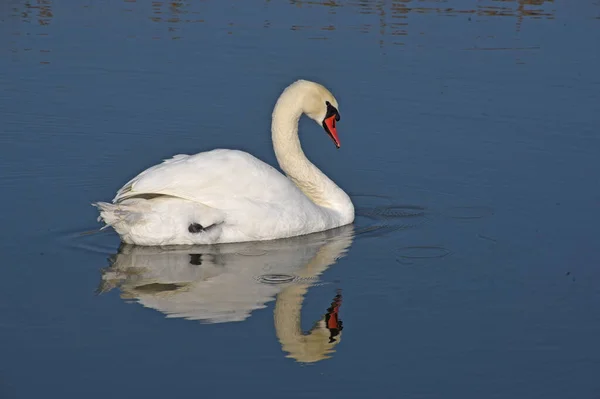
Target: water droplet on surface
[
  {"x": 251, "y": 252},
  {"x": 276, "y": 278}
]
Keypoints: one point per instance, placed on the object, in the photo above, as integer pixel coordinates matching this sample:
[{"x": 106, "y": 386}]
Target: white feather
[{"x": 233, "y": 195}]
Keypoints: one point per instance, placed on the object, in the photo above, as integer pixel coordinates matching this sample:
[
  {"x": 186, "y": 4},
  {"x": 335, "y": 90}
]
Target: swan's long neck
[{"x": 313, "y": 183}]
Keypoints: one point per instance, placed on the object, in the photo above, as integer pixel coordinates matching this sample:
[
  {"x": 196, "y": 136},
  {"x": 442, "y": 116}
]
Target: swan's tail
[
  {"x": 118, "y": 215},
  {"x": 161, "y": 221}
]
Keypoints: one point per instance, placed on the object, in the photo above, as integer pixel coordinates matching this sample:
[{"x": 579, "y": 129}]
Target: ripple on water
[
  {"x": 251, "y": 252},
  {"x": 94, "y": 240},
  {"x": 399, "y": 211},
  {"x": 379, "y": 230},
  {"x": 468, "y": 212},
  {"x": 276, "y": 278},
  {"x": 281, "y": 278},
  {"x": 370, "y": 200},
  {"x": 423, "y": 252},
  {"x": 392, "y": 211},
  {"x": 385, "y": 217}
]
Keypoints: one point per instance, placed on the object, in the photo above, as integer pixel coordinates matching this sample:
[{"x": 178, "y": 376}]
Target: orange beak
[{"x": 329, "y": 125}]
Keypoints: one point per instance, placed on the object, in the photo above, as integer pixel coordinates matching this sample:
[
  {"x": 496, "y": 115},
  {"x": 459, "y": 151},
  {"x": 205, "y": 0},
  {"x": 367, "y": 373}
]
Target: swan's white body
[{"x": 232, "y": 195}]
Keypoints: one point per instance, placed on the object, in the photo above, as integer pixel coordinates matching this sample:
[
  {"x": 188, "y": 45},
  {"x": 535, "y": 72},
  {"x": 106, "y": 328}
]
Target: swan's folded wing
[{"x": 208, "y": 177}]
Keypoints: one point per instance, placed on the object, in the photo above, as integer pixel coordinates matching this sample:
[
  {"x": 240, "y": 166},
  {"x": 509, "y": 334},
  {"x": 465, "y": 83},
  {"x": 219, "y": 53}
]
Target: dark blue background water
[{"x": 470, "y": 144}]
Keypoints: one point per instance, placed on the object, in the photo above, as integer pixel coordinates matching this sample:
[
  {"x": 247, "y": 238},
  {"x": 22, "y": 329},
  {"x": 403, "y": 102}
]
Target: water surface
[{"x": 469, "y": 145}]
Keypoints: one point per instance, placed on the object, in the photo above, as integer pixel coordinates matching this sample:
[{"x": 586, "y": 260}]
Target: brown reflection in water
[
  {"x": 173, "y": 13},
  {"x": 524, "y": 10},
  {"x": 39, "y": 11},
  {"x": 34, "y": 17},
  {"x": 389, "y": 20},
  {"x": 393, "y": 15}
]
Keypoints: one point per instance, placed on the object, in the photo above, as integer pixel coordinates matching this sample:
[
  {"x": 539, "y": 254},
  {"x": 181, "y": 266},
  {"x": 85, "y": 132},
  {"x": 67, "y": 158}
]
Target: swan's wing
[{"x": 209, "y": 178}]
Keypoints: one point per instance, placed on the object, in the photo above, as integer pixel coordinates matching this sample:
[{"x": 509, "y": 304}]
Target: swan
[{"x": 225, "y": 196}]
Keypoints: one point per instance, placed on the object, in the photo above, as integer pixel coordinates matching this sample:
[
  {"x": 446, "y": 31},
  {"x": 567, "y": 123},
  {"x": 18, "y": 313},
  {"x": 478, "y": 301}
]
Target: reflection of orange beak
[
  {"x": 332, "y": 317},
  {"x": 333, "y": 321},
  {"x": 329, "y": 125}
]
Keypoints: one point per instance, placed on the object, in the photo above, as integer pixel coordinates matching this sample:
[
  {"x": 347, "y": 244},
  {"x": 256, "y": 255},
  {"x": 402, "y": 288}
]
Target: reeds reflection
[
  {"x": 389, "y": 20},
  {"x": 226, "y": 283},
  {"x": 384, "y": 18},
  {"x": 36, "y": 11},
  {"x": 28, "y": 23}
]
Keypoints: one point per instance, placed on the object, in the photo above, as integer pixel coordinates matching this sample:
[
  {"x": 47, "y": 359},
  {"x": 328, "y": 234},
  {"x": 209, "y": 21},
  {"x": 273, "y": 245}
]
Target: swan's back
[{"x": 210, "y": 177}]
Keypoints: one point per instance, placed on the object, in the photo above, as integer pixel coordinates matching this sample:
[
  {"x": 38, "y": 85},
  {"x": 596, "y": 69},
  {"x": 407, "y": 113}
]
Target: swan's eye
[{"x": 331, "y": 111}]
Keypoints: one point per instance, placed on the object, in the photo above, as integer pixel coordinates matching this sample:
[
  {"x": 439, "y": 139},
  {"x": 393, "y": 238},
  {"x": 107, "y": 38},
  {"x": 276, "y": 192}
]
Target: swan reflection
[{"x": 225, "y": 283}]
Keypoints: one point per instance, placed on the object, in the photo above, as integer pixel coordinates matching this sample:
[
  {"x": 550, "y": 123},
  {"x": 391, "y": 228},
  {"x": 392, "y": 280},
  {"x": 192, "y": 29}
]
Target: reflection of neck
[
  {"x": 304, "y": 348},
  {"x": 315, "y": 345},
  {"x": 305, "y": 175}
]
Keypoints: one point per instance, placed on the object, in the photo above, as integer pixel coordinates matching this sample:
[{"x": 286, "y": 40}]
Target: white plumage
[{"x": 230, "y": 196}]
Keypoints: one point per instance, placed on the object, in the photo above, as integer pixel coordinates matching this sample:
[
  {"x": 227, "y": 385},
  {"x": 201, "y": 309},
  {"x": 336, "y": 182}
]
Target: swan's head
[{"x": 320, "y": 105}]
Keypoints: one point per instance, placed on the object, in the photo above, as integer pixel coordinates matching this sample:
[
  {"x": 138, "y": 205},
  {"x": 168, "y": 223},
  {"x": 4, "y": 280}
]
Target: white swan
[{"x": 223, "y": 196}]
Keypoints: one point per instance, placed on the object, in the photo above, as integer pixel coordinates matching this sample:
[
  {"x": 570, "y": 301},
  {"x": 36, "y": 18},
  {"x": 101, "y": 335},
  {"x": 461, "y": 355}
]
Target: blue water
[{"x": 470, "y": 146}]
